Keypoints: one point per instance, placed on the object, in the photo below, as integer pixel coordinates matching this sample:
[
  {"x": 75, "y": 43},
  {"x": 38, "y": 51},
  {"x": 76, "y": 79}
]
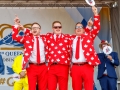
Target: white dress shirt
[
  {"x": 82, "y": 57},
  {"x": 33, "y": 57}
]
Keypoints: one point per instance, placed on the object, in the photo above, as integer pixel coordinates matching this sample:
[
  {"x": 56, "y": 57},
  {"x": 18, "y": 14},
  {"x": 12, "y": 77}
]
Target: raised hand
[
  {"x": 95, "y": 11},
  {"x": 90, "y": 22},
  {"x": 109, "y": 57},
  {"x": 16, "y": 20}
]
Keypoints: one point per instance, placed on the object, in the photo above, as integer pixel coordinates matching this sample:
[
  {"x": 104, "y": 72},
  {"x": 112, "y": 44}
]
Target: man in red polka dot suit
[
  {"x": 34, "y": 55},
  {"x": 58, "y": 56},
  {"x": 84, "y": 57}
]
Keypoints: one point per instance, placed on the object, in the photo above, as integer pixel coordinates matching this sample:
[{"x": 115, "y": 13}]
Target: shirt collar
[
  {"x": 36, "y": 36},
  {"x": 58, "y": 36}
]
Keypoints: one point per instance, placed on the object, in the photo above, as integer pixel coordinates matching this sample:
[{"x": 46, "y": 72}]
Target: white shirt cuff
[
  {"x": 15, "y": 26},
  {"x": 112, "y": 61},
  {"x": 24, "y": 30},
  {"x": 89, "y": 27}
]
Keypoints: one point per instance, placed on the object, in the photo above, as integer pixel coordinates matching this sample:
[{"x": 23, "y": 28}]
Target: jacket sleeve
[
  {"x": 1, "y": 64},
  {"x": 88, "y": 29},
  {"x": 96, "y": 27},
  {"x": 16, "y": 36},
  {"x": 116, "y": 60},
  {"x": 46, "y": 47},
  {"x": 15, "y": 66},
  {"x": 27, "y": 32},
  {"x": 70, "y": 47}
]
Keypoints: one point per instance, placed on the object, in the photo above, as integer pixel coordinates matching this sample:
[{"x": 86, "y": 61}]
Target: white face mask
[{"x": 107, "y": 50}]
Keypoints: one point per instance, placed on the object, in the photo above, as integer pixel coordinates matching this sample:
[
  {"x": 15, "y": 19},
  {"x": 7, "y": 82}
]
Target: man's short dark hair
[
  {"x": 36, "y": 23},
  {"x": 56, "y": 22},
  {"x": 78, "y": 23}
]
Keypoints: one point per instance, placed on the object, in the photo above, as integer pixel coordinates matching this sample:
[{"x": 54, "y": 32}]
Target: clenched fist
[
  {"x": 95, "y": 11},
  {"x": 90, "y": 22},
  {"x": 16, "y": 20}
]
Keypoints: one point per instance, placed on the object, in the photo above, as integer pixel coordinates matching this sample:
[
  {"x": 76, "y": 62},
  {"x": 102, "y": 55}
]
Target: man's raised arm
[{"x": 96, "y": 25}]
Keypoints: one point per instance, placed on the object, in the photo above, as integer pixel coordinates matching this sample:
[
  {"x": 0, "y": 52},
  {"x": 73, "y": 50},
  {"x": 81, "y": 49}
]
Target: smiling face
[
  {"x": 36, "y": 28},
  {"x": 57, "y": 27},
  {"x": 79, "y": 30}
]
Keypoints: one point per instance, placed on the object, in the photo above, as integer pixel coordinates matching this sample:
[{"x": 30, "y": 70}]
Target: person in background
[
  {"x": 1, "y": 64},
  {"x": 17, "y": 68},
  {"x": 106, "y": 70}
]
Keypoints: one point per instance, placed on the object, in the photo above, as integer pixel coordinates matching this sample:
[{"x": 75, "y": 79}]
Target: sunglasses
[
  {"x": 35, "y": 28},
  {"x": 81, "y": 27},
  {"x": 59, "y": 27}
]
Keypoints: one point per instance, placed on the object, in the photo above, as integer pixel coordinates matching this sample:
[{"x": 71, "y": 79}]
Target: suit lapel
[
  {"x": 111, "y": 54},
  {"x": 32, "y": 41},
  {"x": 43, "y": 39},
  {"x": 60, "y": 38},
  {"x": 52, "y": 37}
]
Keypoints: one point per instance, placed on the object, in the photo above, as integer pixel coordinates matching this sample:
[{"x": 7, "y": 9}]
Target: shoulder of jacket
[
  {"x": 100, "y": 53},
  {"x": 49, "y": 33},
  {"x": 114, "y": 52}
]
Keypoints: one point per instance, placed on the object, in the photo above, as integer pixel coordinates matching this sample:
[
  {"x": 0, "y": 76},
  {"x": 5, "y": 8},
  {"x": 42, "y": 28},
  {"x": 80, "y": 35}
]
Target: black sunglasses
[{"x": 55, "y": 27}]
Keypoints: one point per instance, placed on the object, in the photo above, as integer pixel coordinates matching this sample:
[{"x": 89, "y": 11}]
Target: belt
[
  {"x": 37, "y": 64},
  {"x": 105, "y": 75},
  {"x": 55, "y": 63},
  {"x": 79, "y": 64}
]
